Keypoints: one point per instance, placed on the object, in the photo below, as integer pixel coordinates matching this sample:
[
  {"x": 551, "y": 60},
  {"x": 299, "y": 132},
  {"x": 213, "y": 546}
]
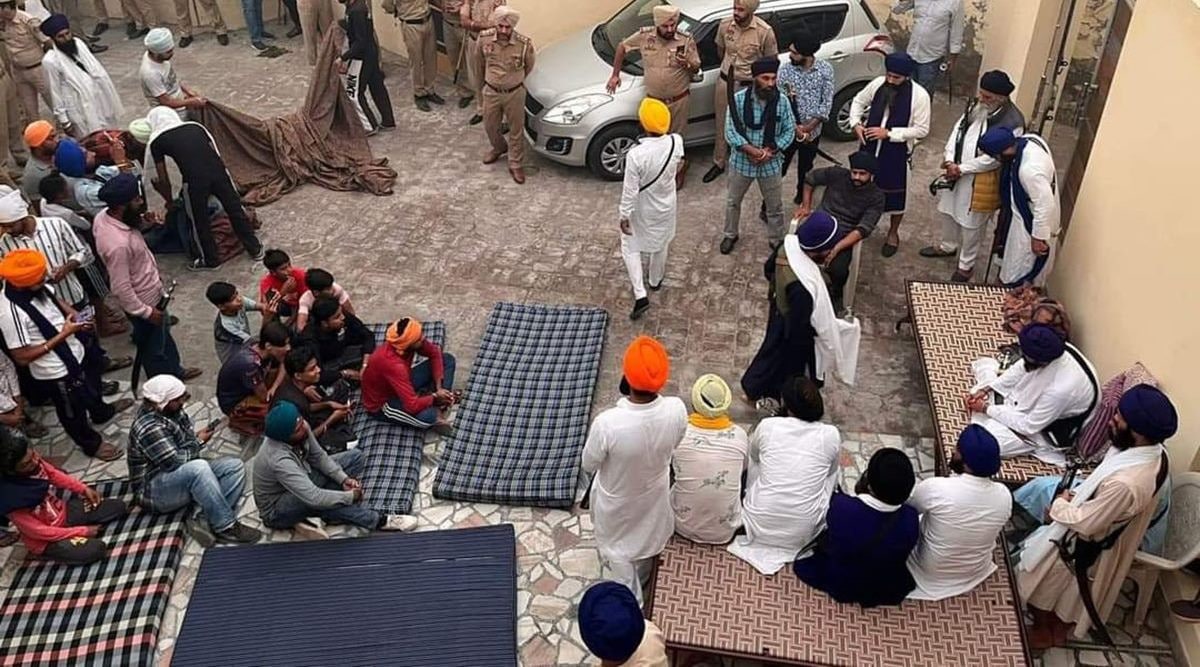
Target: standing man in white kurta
[
  {"x": 974, "y": 175},
  {"x": 1028, "y": 205},
  {"x": 628, "y": 451},
  {"x": 648, "y": 200},
  {"x": 961, "y": 518},
  {"x": 1049, "y": 384},
  {"x": 793, "y": 470},
  {"x": 82, "y": 95}
]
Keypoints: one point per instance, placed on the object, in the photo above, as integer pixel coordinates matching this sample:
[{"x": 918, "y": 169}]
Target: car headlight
[{"x": 570, "y": 112}]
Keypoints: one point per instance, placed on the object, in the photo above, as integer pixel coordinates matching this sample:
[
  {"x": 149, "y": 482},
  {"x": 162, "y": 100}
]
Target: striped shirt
[
  {"x": 55, "y": 239},
  {"x": 20, "y": 331}
]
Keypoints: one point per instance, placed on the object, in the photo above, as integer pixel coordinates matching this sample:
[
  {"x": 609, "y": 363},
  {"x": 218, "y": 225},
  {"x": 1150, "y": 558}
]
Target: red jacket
[
  {"x": 389, "y": 375},
  {"x": 46, "y": 523}
]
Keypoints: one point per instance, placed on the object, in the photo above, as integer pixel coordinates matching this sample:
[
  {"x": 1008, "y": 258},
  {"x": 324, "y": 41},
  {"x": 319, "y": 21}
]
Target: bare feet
[{"x": 108, "y": 452}]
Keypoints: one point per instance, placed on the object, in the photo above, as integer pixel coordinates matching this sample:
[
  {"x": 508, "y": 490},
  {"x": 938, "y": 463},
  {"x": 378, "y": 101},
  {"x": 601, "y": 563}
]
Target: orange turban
[
  {"x": 646, "y": 364},
  {"x": 23, "y": 267},
  {"x": 401, "y": 339},
  {"x": 37, "y": 132}
]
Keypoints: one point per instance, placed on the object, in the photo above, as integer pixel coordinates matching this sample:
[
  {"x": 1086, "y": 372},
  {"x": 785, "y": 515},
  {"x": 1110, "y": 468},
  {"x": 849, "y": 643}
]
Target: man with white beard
[{"x": 971, "y": 178}]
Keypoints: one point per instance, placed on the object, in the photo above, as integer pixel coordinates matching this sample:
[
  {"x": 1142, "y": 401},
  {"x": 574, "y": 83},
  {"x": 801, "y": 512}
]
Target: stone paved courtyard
[{"x": 457, "y": 236}]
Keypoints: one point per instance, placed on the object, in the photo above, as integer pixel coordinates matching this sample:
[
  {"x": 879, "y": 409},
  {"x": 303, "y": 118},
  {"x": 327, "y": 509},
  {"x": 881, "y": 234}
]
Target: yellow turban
[
  {"x": 664, "y": 13},
  {"x": 23, "y": 267},
  {"x": 711, "y": 397},
  {"x": 506, "y": 15},
  {"x": 655, "y": 116},
  {"x": 402, "y": 339}
]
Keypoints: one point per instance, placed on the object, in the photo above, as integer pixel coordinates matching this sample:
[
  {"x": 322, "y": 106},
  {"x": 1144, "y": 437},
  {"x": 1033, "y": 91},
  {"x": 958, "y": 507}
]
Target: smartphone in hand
[{"x": 85, "y": 314}]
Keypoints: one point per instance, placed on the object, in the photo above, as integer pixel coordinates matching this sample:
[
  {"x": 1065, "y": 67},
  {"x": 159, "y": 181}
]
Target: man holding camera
[{"x": 968, "y": 190}]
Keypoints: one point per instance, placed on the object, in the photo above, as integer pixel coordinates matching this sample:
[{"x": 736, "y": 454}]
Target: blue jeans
[
  {"x": 156, "y": 347},
  {"x": 927, "y": 74},
  {"x": 252, "y": 10},
  {"x": 216, "y": 486},
  {"x": 290, "y": 510},
  {"x": 422, "y": 382}
]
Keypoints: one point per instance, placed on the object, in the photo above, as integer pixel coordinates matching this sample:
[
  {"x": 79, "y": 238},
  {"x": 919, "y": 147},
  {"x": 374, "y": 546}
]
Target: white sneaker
[{"x": 401, "y": 522}]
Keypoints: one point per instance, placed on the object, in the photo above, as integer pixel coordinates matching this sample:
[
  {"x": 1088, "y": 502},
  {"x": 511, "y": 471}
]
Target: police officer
[
  {"x": 508, "y": 57},
  {"x": 25, "y": 44},
  {"x": 741, "y": 40},
  {"x": 421, "y": 43},
  {"x": 475, "y": 16},
  {"x": 670, "y": 60}
]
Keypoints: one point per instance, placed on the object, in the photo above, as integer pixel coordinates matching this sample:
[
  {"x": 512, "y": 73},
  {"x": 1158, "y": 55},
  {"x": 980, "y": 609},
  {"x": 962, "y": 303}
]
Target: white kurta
[
  {"x": 793, "y": 470},
  {"x": 1038, "y": 177},
  {"x": 706, "y": 496},
  {"x": 629, "y": 449},
  {"x": 651, "y": 212},
  {"x": 1032, "y": 401},
  {"x": 88, "y": 100},
  {"x": 961, "y": 519},
  {"x": 956, "y": 203},
  {"x": 918, "y": 121}
]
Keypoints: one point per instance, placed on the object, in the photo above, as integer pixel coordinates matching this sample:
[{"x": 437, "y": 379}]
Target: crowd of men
[{"x": 77, "y": 229}]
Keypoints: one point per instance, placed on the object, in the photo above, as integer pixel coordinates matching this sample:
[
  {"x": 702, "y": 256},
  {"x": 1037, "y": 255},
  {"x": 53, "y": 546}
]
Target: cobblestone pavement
[{"x": 457, "y": 236}]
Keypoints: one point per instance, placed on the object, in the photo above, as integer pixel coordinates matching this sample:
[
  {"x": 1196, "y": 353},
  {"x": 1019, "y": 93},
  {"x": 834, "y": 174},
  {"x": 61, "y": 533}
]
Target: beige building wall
[
  {"x": 1128, "y": 269},
  {"x": 1019, "y": 35}
]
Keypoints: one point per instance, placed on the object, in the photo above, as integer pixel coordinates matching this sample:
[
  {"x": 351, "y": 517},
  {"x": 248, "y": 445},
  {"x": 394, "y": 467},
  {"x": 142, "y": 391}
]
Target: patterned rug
[
  {"x": 521, "y": 429},
  {"x": 106, "y": 613},
  {"x": 706, "y": 599},
  {"x": 954, "y": 324},
  {"x": 431, "y": 599},
  {"x": 393, "y": 451}
]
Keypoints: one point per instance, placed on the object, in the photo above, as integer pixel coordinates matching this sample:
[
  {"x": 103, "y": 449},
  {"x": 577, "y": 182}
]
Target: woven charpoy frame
[
  {"x": 954, "y": 324},
  {"x": 706, "y": 599}
]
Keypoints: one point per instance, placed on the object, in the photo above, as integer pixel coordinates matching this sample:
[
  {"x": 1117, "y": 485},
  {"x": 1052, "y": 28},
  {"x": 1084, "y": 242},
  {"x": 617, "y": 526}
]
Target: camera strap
[{"x": 963, "y": 125}]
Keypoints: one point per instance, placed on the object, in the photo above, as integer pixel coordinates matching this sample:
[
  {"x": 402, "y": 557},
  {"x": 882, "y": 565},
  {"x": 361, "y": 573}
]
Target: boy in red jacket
[
  {"x": 394, "y": 390},
  {"x": 49, "y": 527}
]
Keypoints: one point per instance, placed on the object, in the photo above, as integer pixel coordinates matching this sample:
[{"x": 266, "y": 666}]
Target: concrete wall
[
  {"x": 1127, "y": 271},
  {"x": 1019, "y": 36}
]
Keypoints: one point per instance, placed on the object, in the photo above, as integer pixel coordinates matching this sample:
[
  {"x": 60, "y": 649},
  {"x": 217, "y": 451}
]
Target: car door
[
  {"x": 825, "y": 21},
  {"x": 701, "y": 115}
]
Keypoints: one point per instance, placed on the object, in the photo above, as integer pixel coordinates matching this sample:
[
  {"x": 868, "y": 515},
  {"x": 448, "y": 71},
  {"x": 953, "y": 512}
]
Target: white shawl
[
  {"x": 837, "y": 339},
  {"x": 88, "y": 100},
  {"x": 1038, "y": 545}
]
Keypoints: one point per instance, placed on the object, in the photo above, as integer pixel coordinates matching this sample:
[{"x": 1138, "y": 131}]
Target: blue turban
[
  {"x": 1041, "y": 343},
  {"x": 996, "y": 140},
  {"x": 900, "y": 63},
  {"x": 980, "y": 450},
  {"x": 120, "y": 189},
  {"x": 818, "y": 232},
  {"x": 610, "y": 621},
  {"x": 70, "y": 159},
  {"x": 54, "y": 24},
  {"x": 281, "y": 421},
  {"x": 1148, "y": 411}
]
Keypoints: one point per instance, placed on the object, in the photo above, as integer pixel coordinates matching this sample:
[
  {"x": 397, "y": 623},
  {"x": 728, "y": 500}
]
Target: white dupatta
[
  {"x": 1038, "y": 545},
  {"x": 837, "y": 339}
]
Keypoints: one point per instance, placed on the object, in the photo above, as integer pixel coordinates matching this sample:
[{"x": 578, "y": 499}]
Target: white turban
[
  {"x": 162, "y": 389},
  {"x": 159, "y": 40},
  {"x": 664, "y": 13},
  {"x": 12, "y": 206},
  {"x": 506, "y": 15}
]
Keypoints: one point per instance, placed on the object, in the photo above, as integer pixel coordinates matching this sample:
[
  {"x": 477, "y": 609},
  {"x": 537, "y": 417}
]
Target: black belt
[
  {"x": 673, "y": 100},
  {"x": 420, "y": 21},
  {"x": 503, "y": 91}
]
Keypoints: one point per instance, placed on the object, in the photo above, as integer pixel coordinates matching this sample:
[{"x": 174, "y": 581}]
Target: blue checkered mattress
[
  {"x": 393, "y": 451},
  {"x": 520, "y": 431}
]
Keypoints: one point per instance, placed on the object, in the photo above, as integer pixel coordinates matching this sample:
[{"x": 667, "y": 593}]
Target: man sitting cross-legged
[
  {"x": 167, "y": 473},
  {"x": 295, "y": 479},
  {"x": 793, "y": 470},
  {"x": 250, "y": 377},
  {"x": 50, "y": 528},
  {"x": 327, "y": 415},
  {"x": 341, "y": 341},
  {"x": 395, "y": 390}
]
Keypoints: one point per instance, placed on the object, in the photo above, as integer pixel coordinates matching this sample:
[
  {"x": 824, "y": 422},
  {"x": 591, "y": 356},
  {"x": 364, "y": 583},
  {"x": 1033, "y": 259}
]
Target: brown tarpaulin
[{"x": 323, "y": 143}]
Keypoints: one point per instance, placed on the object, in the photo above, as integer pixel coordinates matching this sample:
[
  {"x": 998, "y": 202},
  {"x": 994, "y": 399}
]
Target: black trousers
[
  {"x": 805, "y": 154},
  {"x": 293, "y": 12},
  {"x": 78, "y": 398},
  {"x": 195, "y": 200},
  {"x": 83, "y": 551},
  {"x": 370, "y": 81},
  {"x": 839, "y": 275}
]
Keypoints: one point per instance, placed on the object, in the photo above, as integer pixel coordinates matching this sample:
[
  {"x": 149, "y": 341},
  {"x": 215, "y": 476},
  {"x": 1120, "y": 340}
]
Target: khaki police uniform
[
  {"x": 668, "y": 67},
  {"x": 25, "y": 45},
  {"x": 505, "y": 66},
  {"x": 456, "y": 46},
  {"x": 419, "y": 40},
  {"x": 140, "y": 13},
  {"x": 480, "y": 13},
  {"x": 183, "y": 14},
  {"x": 12, "y": 123},
  {"x": 739, "y": 47}
]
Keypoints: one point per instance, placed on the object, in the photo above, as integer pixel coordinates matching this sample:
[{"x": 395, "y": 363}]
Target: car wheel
[
  {"x": 606, "y": 153},
  {"x": 841, "y": 129}
]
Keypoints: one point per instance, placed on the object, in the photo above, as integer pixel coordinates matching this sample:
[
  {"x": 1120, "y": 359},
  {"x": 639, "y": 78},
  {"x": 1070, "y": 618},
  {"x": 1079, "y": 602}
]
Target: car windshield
[{"x": 635, "y": 16}]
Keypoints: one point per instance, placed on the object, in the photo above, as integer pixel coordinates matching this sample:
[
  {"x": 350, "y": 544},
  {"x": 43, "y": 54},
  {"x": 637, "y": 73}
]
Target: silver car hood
[{"x": 568, "y": 68}]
